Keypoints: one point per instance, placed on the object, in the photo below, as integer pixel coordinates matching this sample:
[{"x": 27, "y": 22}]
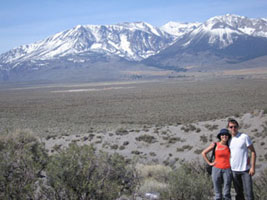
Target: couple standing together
[{"x": 232, "y": 163}]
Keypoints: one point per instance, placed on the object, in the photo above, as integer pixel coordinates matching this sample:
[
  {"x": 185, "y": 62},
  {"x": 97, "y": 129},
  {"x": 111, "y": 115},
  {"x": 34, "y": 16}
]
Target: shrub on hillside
[
  {"x": 80, "y": 173},
  {"x": 260, "y": 185},
  {"x": 22, "y": 159},
  {"x": 153, "y": 178},
  {"x": 121, "y": 131},
  {"x": 147, "y": 138},
  {"x": 189, "y": 182}
]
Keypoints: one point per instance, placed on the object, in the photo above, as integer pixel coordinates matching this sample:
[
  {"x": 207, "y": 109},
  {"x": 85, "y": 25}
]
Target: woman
[{"x": 221, "y": 170}]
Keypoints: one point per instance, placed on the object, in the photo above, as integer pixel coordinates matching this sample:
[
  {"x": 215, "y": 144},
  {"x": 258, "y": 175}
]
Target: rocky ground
[{"x": 168, "y": 145}]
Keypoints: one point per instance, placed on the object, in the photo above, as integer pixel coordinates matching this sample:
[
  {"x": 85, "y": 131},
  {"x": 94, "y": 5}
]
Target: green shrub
[
  {"x": 211, "y": 127},
  {"x": 188, "y": 127},
  {"x": 146, "y": 138},
  {"x": 198, "y": 151},
  {"x": 121, "y": 147},
  {"x": 114, "y": 146},
  {"x": 153, "y": 177},
  {"x": 198, "y": 130},
  {"x": 203, "y": 139},
  {"x": 153, "y": 154},
  {"x": 173, "y": 140},
  {"x": 22, "y": 159},
  {"x": 211, "y": 138},
  {"x": 237, "y": 115},
  {"x": 79, "y": 173},
  {"x": 155, "y": 171},
  {"x": 164, "y": 132},
  {"x": 178, "y": 149},
  {"x": 51, "y": 136},
  {"x": 91, "y": 136},
  {"x": 121, "y": 131},
  {"x": 189, "y": 182},
  {"x": 56, "y": 147},
  {"x": 188, "y": 147},
  {"x": 260, "y": 185},
  {"x": 136, "y": 152}
]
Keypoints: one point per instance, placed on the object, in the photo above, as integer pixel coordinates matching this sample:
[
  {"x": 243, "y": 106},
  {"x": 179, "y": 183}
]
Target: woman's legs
[
  {"x": 227, "y": 181},
  {"x": 217, "y": 183}
]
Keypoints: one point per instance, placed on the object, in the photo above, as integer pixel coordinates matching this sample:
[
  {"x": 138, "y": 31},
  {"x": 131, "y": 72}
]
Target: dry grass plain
[
  {"x": 79, "y": 108},
  {"x": 159, "y": 122}
]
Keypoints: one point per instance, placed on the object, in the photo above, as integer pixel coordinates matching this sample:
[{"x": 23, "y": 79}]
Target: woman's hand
[{"x": 212, "y": 164}]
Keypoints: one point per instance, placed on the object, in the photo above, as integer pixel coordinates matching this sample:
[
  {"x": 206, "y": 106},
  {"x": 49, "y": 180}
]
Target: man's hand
[{"x": 251, "y": 171}]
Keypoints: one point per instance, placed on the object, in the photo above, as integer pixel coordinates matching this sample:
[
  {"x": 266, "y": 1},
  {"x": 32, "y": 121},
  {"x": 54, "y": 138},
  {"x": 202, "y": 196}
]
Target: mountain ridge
[
  {"x": 96, "y": 38},
  {"x": 227, "y": 39},
  {"x": 221, "y": 40}
]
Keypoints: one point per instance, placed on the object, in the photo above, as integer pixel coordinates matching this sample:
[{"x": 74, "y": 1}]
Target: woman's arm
[{"x": 206, "y": 151}]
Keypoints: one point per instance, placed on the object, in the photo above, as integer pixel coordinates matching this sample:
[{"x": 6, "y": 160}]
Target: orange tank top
[{"x": 222, "y": 156}]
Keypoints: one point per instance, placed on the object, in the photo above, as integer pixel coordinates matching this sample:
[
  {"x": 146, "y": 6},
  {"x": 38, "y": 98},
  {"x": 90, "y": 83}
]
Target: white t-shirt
[{"x": 239, "y": 152}]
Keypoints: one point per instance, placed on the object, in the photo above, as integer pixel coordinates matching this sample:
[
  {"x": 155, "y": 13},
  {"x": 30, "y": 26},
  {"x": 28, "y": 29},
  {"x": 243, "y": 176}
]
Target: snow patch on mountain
[
  {"x": 125, "y": 45},
  {"x": 178, "y": 29}
]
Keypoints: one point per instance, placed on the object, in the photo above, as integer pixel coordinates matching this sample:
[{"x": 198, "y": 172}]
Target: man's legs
[
  {"x": 247, "y": 185},
  {"x": 243, "y": 181},
  {"x": 238, "y": 185},
  {"x": 227, "y": 180}
]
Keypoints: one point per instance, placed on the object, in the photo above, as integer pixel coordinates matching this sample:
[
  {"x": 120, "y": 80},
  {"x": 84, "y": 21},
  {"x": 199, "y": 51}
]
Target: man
[{"x": 242, "y": 168}]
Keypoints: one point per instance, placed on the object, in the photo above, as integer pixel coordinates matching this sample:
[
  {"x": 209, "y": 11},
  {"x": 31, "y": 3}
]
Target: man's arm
[{"x": 253, "y": 160}]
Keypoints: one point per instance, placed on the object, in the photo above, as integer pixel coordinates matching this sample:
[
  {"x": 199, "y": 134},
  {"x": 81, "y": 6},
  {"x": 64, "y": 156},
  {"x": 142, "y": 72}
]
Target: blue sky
[{"x": 27, "y": 21}]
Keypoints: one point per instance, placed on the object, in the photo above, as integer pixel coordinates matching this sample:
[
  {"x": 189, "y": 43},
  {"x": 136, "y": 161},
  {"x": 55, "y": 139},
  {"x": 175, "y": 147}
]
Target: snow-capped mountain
[
  {"x": 228, "y": 38},
  {"x": 133, "y": 41},
  {"x": 221, "y": 39},
  {"x": 178, "y": 29},
  {"x": 250, "y": 26},
  {"x": 223, "y": 30}
]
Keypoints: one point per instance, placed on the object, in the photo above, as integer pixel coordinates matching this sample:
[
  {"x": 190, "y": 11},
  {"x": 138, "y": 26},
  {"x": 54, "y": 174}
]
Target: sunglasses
[{"x": 232, "y": 127}]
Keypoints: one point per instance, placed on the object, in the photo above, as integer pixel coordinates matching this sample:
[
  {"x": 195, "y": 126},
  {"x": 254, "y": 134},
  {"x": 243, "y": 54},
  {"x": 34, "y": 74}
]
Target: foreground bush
[
  {"x": 260, "y": 185},
  {"x": 153, "y": 178},
  {"x": 22, "y": 159},
  {"x": 79, "y": 173},
  {"x": 189, "y": 182}
]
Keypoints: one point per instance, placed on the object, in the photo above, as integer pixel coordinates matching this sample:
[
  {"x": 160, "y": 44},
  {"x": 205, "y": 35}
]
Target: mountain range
[
  {"x": 219, "y": 42},
  {"x": 107, "y": 52}
]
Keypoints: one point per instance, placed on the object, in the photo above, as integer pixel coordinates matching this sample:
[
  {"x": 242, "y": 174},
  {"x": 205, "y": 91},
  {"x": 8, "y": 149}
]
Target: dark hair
[
  {"x": 224, "y": 131},
  {"x": 233, "y": 121}
]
